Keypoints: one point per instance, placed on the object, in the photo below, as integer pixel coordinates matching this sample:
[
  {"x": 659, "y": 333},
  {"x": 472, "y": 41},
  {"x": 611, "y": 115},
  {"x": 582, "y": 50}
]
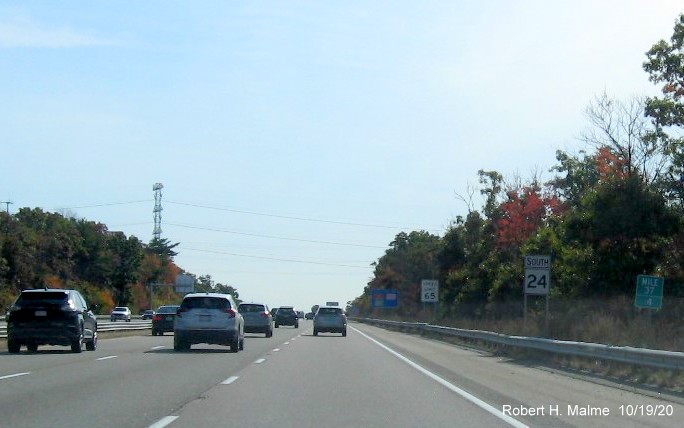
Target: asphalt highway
[{"x": 371, "y": 378}]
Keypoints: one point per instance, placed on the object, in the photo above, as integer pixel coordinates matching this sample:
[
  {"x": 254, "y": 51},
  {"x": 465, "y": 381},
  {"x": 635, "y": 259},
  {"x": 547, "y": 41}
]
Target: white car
[
  {"x": 120, "y": 313},
  {"x": 211, "y": 318}
]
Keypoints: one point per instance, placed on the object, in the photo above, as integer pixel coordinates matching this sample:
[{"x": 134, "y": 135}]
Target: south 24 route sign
[{"x": 537, "y": 275}]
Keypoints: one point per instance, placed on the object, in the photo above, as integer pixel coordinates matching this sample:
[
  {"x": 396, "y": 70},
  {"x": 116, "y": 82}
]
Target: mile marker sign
[{"x": 537, "y": 275}]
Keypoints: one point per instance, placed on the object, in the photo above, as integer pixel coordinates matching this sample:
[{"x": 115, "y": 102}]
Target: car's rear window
[
  {"x": 167, "y": 310},
  {"x": 251, "y": 308},
  {"x": 120, "y": 308},
  {"x": 329, "y": 311},
  {"x": 43, "y": 298},
  {"x": 205, "y": 303},
  {"x": 286, "y": 311}
]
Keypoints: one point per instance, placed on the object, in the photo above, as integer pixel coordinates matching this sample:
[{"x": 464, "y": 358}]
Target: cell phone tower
[{"x": 156, "y": 234}]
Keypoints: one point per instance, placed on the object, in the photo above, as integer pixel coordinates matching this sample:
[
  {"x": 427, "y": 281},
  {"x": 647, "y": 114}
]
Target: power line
[
  {"x": 107, "y": 204},
  {"x": 380, "y": 226},
  {"x": 276, "y": 237},
  {"x": 274, "y": 258}
]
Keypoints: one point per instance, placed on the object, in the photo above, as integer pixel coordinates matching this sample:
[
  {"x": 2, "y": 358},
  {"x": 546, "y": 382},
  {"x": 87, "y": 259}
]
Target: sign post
[
  {"x": 185, "y": 283},
  {"x": 429, "y": 293},
  {"x": 381, "y": 298},
  {"x": 649, "y": 292},
  {"x": 537, "y": 281}
]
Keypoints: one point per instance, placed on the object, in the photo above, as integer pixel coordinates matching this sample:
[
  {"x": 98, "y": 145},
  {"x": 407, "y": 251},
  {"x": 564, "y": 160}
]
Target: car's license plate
[
  {"x": 41, "y": 313},
  {"x": 205, "y": 318},
  {"x": 169, "y": 318}
]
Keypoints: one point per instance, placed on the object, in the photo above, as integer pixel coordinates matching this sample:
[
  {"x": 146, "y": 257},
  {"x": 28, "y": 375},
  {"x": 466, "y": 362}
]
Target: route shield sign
[
  {"x": 537, "y": 275},
  {"x": 649, "y": 292}
]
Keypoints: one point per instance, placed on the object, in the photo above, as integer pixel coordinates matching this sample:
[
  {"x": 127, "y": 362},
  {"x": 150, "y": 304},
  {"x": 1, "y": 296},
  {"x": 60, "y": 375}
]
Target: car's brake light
[
  {"x": 230, "y": 311},
  {"x": 265, "y": 314},
  {"x": 157, "y": 318}
]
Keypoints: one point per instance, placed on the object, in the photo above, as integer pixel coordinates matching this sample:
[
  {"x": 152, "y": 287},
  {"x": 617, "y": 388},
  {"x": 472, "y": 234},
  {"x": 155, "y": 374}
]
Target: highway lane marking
[
  {"x": 287, "y": 343},
  {"x": 107, "y": 358},
  {"x": 276, "y": 350},
  {"x": 161, "y": 423},
  {"x": 230, "y": 380},
  {"x": 260, "y": 360},
  {"x": 14, "y": 375},
  {"x": 481, "y": 404},
  {"x": 154, "y": 348}
]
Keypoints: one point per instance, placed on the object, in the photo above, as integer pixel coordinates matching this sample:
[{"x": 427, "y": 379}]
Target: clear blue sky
[{"x": 268, "y": 120}]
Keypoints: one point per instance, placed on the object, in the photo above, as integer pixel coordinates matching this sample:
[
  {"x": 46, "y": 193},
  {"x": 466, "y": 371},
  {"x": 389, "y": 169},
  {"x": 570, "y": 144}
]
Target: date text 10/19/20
[{"x": 630, "y": 410}]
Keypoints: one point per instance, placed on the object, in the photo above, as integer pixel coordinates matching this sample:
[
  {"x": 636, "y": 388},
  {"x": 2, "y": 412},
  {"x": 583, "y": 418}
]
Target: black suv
[
  {"x": 51, "y": 317},
  {"x": 286, "y": 315}
]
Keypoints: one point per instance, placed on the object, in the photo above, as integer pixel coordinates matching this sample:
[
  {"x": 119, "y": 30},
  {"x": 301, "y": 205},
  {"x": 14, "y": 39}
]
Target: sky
[{"x": 295, "y": 139}]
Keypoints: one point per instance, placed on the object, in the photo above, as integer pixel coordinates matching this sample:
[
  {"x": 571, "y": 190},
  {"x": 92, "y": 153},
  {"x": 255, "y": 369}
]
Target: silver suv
[
  {"x": 330, "y": 319},
  {"x": 257, "y": 318},
  {"x": 210, "y": 318}
]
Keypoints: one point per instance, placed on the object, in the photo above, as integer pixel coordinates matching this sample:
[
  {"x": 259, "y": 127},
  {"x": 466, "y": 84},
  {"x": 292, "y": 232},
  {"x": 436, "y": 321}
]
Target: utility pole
[{"x": 7, "y": 204}]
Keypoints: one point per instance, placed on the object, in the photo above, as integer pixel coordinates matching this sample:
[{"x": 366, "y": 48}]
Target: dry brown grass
[{"x": 612, "y": 321}]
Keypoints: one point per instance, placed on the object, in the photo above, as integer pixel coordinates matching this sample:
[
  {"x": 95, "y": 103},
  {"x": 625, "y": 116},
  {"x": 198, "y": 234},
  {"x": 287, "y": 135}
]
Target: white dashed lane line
[
  {"x": 161, "y": 423},
  {"x": 230, "y": 380},
  {"x": 276, "y": 350},
  {"x": 14, "y": 375},
  {"x": 260, "y": 360},
  {"x": 107, "y": 358},
  {"x": 154, "y": 348}
]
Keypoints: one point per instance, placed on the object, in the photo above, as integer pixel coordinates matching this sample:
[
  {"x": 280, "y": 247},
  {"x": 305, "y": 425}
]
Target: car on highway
[
  {"x": 147, "y": 315},
  {"x": 300, "y": 315},
  {"x": 120, "y": 313},
  {"x": 258, "y": 318},
  {"x": 286, "y": 315},
  {"x": 162, "y": 321},
  {"x": 50, "y": 317},
  {"x": 309, "y": 315},
  {"x": 330, "y": 319},
  {"x": 211, "y": 318}
]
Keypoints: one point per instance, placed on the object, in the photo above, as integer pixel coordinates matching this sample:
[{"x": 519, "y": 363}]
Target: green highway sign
[{"x": 649, "y": 292}]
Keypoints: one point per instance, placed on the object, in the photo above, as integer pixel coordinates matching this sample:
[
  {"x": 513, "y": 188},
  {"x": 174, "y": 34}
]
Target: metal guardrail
[
  {"x": 102, "y": 325},
  {"x": 624, "y": 354}
]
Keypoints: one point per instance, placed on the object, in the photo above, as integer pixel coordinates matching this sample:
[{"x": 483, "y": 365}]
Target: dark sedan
[{"x": 162, "y": 321}]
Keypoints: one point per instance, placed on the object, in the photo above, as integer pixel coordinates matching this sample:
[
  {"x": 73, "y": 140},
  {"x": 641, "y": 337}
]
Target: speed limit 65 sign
[
  {"x": 429, "y": 290},
  {"x": 537, "y": 275}
]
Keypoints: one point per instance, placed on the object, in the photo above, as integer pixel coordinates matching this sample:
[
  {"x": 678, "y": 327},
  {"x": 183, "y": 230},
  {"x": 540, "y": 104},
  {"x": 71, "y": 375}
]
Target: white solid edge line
[
  {"x": 230, "y": 380},
  {"x": 14, "y": 375},
  {"x": 483, "y": 405},
  {"x": 107, "y": 358},
  {"x": 161, "y": 423}
]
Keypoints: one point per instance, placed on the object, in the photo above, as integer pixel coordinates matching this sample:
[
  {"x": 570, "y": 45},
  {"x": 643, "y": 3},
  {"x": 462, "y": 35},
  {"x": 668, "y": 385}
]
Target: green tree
[
  {"x": 665, "y": 67},
  {"x": 627, "y": 227}
]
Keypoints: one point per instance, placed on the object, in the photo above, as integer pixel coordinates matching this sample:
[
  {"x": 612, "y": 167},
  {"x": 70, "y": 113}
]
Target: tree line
[
  {"x": 45, "y": 249},
  {"x": 610, "y": 212}
]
